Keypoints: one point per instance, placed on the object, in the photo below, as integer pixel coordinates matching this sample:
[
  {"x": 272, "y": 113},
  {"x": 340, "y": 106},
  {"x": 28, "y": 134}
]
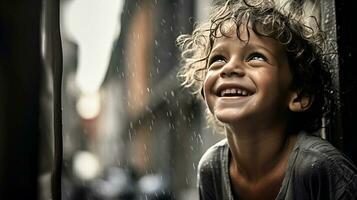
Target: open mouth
[{"x": 234, "y": 92}]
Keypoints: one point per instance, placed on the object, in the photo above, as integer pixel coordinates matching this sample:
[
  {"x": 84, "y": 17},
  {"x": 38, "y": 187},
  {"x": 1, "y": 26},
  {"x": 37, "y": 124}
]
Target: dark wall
[
  {"x": 20, "y": 65},
  {"x": 347, "y": 45}
]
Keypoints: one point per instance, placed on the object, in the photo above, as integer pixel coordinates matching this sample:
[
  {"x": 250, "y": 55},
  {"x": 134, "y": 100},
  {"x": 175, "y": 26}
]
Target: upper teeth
[{"x": 234, "y": 91}]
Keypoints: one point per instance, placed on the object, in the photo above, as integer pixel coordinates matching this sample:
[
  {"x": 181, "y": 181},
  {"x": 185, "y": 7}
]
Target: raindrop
[
  {"x": 172, "y": 94},
  {"x": 148, "y": 109},
  {"x": 192, "y": 116},
  {"x": 200, "y": 138},
  {"x": 130, "y": 136},
  {"x": 184, "y": 118},
  {"x": 172, "y": 126}
]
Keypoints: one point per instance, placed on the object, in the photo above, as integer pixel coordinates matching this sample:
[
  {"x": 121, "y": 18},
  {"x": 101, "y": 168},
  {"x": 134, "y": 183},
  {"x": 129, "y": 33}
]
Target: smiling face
[{"x": 248, "y": 81}]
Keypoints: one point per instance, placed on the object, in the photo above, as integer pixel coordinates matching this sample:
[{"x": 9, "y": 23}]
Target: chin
[{"x": 228, "y": 118}]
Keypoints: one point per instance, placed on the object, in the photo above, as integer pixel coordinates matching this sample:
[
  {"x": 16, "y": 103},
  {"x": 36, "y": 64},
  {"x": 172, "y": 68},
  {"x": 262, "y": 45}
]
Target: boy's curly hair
[{"x": 306, "y": 46}]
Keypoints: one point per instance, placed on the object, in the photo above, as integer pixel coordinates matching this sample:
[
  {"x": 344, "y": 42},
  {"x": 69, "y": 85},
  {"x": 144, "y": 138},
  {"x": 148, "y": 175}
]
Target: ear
[{"x": 300, "y": 102}]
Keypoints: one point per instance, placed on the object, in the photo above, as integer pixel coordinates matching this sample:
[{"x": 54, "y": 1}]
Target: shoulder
[
  {"x": 213, "y": 157},
  {"x": 317, "y": 152},
  {"x": 322, "y": 167},
  {"x": 210, "y": 177}
]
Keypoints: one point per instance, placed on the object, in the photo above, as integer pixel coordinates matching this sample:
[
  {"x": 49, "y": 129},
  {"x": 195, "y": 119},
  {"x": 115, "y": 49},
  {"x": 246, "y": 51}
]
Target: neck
[{"x": 257, "y": 153}]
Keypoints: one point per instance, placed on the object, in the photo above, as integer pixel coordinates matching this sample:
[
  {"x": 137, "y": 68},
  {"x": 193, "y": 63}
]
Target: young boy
[{"x": 264, "y": 78}]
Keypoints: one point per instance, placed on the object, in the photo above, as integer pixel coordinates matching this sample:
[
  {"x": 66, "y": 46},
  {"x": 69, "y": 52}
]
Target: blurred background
[
  {"x": 91, "y": 107},
  {"x": 129, "y": 130}
]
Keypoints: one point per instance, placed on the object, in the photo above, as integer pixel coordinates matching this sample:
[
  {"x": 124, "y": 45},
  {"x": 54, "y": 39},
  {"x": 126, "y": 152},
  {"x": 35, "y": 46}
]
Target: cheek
[
  {"x": 276, "y": 88},
  {"x": 269, "y": 87},
  {"x": 264, "y": 80},
  {"x": 270, "y": 79}
]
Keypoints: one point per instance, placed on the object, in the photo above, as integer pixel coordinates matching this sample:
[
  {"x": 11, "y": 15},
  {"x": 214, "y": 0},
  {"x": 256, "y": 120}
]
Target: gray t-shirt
[{"x": 316, "y": 171}]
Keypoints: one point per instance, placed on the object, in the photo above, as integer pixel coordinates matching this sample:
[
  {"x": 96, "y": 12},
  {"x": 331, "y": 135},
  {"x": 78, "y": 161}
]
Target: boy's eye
[
  {"x": 257, "y": 57},
  {"x": 216, "y": 59}
]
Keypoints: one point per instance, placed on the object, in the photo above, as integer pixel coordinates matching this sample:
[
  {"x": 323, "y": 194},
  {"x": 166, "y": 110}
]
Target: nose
[{"x": 232, "y": 69}]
